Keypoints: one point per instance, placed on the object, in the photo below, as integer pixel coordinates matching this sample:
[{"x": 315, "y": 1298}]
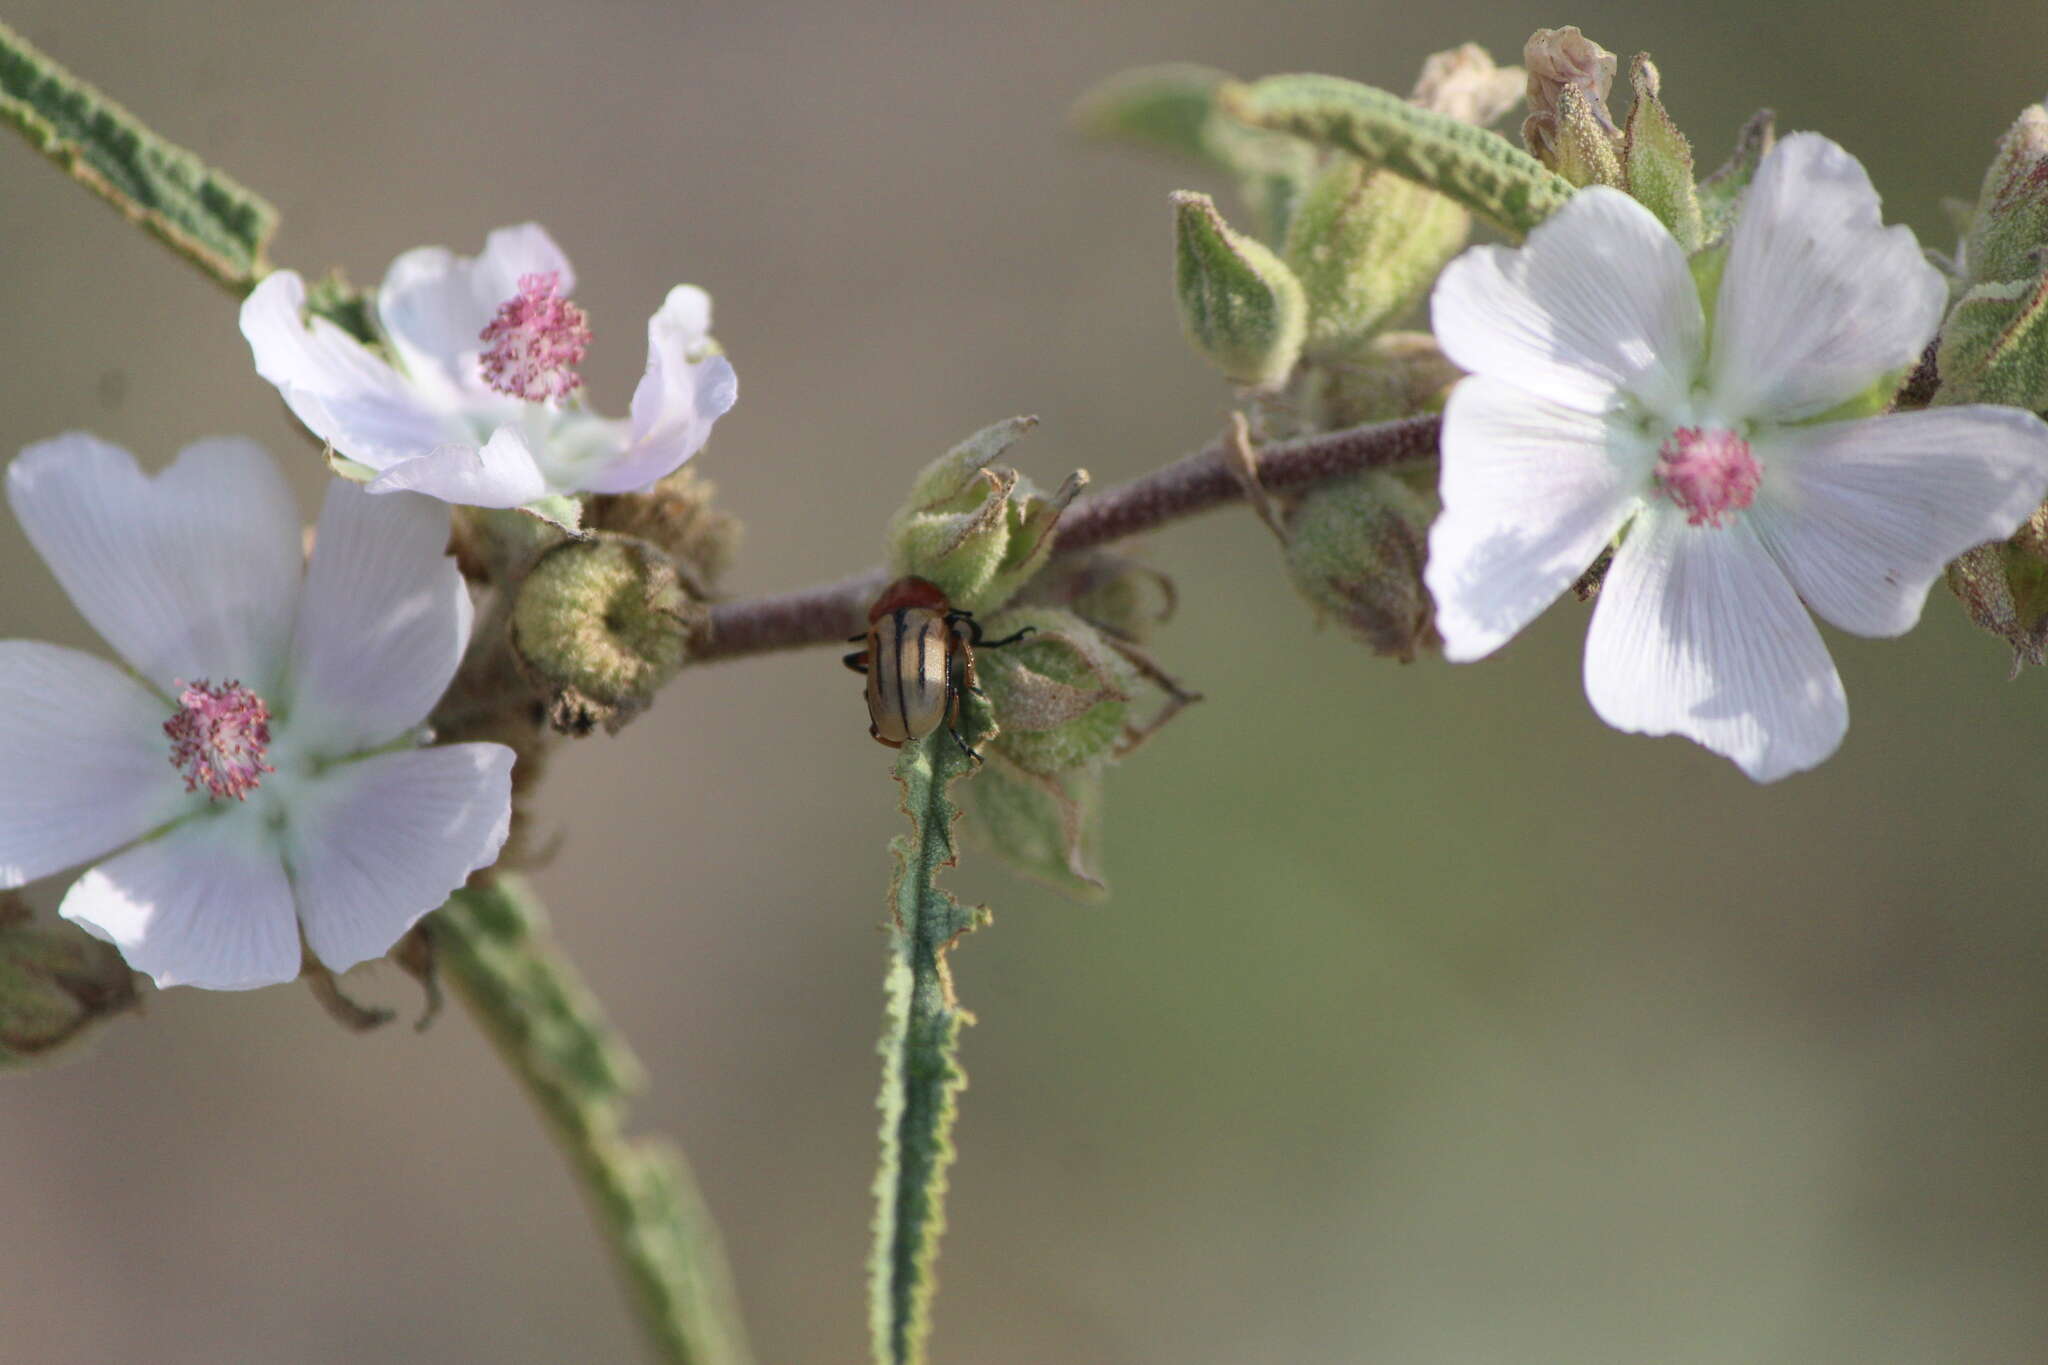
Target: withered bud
[
  {"x": 1400, "y": 374},
  {"x": 677, "y": 514},
  {"x": 1464, "y": 83},
  {"x": 57, "y": 984},
  {"x": 599, "y": 625},
  {"x": 1560, "y": 59},
  {"x": 1110, "y": 591}
]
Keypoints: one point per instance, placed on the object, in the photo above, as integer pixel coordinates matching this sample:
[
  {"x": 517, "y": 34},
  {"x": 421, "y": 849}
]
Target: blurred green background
[{"x": 1431, "y": 1021}]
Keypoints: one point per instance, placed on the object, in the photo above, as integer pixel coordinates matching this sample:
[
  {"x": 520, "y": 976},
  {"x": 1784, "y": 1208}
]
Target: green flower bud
[
  {"x": 1399, "y": 374},
  {"x": 1658, "y": 160},
  {"x": 1569, "y": 128},
  {"x": 1366, "y": 246},
  {"x": 1240, "y": 306},
  {"x": 57, "y": 983},
  {"x": 1048, "y": 828},
  {"x": 599, "y": 625},
  {"x": 978, "y": 530},
  {"x": 1112, "y": 592},
  {"x": 1062, "y": 694},
  {"x": 2008, "y": 235},
  {"x": 2004, "y": 587},
  {"x": 1355, "y": 549}
]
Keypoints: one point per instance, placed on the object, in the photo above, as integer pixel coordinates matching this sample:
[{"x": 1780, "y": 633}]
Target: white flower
[
  {"x": 1601, "y": 399},
  {"x": 254, "y": 764},
  {"x": 482, "y": 419}
]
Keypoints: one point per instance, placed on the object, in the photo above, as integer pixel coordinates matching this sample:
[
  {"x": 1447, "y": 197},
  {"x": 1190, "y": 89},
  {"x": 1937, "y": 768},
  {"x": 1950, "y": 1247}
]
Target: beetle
[{"x": 919, "y": 658}]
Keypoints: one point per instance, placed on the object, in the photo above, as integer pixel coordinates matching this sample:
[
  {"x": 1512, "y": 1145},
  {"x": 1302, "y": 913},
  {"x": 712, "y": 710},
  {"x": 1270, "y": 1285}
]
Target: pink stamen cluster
[
  {"x": 536, "y": 342},
  {"x": 1709, "y": 473},
  {"x": 219, "y": 737}
]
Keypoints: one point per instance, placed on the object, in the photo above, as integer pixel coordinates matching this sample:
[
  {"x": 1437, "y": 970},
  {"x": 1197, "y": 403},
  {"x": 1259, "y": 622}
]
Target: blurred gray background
[{"x": 1431, "y": 1020}]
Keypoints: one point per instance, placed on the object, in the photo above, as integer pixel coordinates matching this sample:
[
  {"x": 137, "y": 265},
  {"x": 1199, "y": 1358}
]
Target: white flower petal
[
  {"x": 344, "y": 393},
  {"x": 382, "y": 623},
  {"x": 378, "y": 843},
  {"x": 503, "y": 473},
  {"x": 1532, "y": 491},
  {"x": 1862, "y": 516},
  {"x": 1697, "y": 633},
  {"x": 85, "y": 765},
  {"x": 191, "y": 574},
  {"x": 433, "y": 303},
  {"x": 677, "y": 399},
  {"x": 1596, "y": 303},
  {"x": 205, "y": 905},
  {"x": 1819, "y": 299}
]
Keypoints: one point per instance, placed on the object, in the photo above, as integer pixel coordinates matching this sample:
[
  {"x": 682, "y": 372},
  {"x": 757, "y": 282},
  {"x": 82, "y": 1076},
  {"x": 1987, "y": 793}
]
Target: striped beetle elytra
[{"x": 919, "y": 659}]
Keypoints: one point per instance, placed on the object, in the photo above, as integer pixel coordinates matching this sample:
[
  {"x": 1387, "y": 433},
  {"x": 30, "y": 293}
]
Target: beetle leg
[
  {"x": 974, "y": 634},
  {"x": 857, "y": 661}
]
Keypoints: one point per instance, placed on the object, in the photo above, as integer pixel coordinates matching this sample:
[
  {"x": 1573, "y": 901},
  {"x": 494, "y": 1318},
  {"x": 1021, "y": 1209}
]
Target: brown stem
[{"x": 1194, "y": 483}]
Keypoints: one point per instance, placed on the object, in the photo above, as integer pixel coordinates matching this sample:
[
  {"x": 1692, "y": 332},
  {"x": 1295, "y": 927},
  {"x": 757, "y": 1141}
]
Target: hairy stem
[
  {"x": 494, "y": 947},
  {"x": 1196, "y": 483}
]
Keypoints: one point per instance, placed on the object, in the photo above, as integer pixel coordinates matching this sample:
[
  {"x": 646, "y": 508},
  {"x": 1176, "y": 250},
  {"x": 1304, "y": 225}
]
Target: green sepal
[
  {"x": 921, "y": 1074},
  {"x": 205, "y": 216},
  {"x": 1720, "y": 194},
  {"x": 1658, "y": 161},
  {"x": 978, "y": 530},
  {"x": 1048, "y": 827},
  {"x": 2008, "y": 233},
  {"x": 1583, "y": 152},
  {"x": 1366, "y": 246},
  {"x": 1240, "y": 306},
  {"x": 1994, "y": 346},
  {"x": 1868, "y": 401},
  {"x": 1478, "y": 169},
  {"x": 1706, "y": 267},
  {"x": 563, "y": 511},
  {"x": 1173, "y": 108},
  {"x": 1063, "y": 694}
]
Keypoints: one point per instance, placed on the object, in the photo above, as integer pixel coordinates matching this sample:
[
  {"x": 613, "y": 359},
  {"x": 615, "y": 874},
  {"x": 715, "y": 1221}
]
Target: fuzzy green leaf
[
  {"x": 1478, "y": 169},
  {"x": 204, "y": 216},
  {"x": 1994, "y": 346},
  {"x": 493, "y": 944},
  {"x": 921, "y": 1073},
  {"x": 1172, "y": 107}
]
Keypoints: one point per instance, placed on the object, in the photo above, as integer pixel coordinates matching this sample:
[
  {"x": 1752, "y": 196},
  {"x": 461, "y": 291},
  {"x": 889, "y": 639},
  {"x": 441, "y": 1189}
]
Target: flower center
[
  {"x": 219, "y": 737},
  {"x": 1707, "y": 472},
  {"x": 536, "y": 342}
]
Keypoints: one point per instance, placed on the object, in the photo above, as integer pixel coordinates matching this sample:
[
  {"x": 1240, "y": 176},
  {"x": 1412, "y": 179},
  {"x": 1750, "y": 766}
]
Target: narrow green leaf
[
  {"x": 1479, "y": 169},
  {"x": 493, "y": 944},
  {"x": 204, "y": 216},
  {"x": 921, "y": 1073}
]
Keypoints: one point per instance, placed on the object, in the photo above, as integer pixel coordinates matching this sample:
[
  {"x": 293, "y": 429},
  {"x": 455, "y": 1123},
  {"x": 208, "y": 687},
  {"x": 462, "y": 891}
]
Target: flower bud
[
  {"x": 1657, "y": 160},
  {"x": 599, "y": 625},
  {"x": 977, "y": 529},
  {"x": 2008, "y": 235},
  {"x": 2004, "y": 587},
  {"x": 1112, "y": 592},
  {"x": 1569, "y": 128},
  {"x": 1400, "y": 374},
  {"x": 1240, "y": 306},
  {"x": 1355, "y": 549},
  {"x": 56, "y": 984},
  {"x": 1366, "y": 246},
  {"x": 1994, "y": 346}
]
